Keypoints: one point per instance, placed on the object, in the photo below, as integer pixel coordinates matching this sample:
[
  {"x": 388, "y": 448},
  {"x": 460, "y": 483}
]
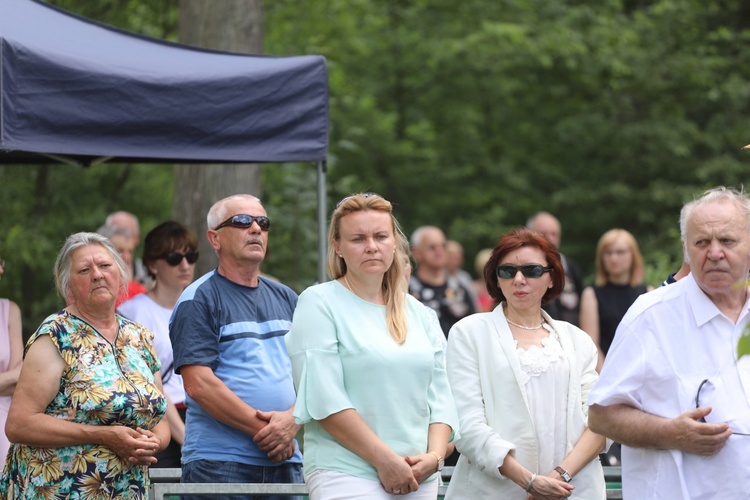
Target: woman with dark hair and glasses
[
  {"x": 368, "y": 367},
  {"x": 521, "y": 381},
  {"x": 169, "y": 254}
]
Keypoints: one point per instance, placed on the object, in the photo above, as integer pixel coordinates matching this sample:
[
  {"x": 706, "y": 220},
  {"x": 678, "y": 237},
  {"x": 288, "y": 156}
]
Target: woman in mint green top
[{"x": 368, "y": 366}]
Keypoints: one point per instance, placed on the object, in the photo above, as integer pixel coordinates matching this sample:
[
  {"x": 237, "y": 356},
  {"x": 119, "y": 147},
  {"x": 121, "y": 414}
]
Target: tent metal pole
[{"x": 322, "y": 243}]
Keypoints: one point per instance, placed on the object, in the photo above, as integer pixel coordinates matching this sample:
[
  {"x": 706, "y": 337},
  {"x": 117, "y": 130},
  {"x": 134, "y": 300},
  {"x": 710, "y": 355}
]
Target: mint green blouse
[{"x": 343, "y": 357}]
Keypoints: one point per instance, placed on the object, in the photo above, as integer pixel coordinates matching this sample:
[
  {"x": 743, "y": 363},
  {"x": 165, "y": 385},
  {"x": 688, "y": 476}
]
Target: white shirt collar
[{"x": 701, "y": 305}]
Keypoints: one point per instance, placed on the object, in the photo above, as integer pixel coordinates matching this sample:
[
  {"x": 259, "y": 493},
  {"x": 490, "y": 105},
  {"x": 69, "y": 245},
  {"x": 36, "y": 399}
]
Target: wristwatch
[
  {"x": 441, "y": 462},
  {"x": 566, "y": 477}
]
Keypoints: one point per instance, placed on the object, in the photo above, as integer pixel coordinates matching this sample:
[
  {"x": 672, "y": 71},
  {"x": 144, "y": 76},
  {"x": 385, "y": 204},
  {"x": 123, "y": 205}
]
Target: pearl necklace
[{"x": 525, "y": 327}]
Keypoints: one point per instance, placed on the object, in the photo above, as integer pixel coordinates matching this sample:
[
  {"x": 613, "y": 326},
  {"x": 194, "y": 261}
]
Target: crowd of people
[{"x": 524, "y": 379}]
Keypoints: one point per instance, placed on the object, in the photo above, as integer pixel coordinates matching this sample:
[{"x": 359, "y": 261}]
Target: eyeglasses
[
  {"x": 509, "y": 271},
  {"x": 365, "y": 195},
  {"x": 244, "y": 221},
  {"x": 175, "y": 258},
  {"x": 617, "y": 252},
  {"x": 698, "y": 405}
]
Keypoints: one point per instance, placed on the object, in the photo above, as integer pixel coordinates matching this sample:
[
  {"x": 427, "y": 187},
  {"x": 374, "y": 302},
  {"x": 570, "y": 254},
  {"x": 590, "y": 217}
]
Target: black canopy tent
[{"x": 74, "y": 90}]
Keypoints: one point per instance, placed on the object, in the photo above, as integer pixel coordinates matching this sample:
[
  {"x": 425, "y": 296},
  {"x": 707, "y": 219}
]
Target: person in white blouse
[
  {"x": 520, "y": 381},
  {"x": 368, "y": 367}
]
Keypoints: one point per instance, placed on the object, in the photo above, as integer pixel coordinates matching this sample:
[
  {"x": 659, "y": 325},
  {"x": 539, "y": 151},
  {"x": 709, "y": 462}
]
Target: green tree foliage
[
  {"x": 43, "y": 205},
  {"x": 743, "y": 348},
  {"x": 473, "y": 115},
  {"x": 154, "y": 18}
]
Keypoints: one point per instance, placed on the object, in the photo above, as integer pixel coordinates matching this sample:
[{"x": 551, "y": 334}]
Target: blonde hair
[
  {"x": 607, "y": 240},
  {"x": 480, "y": 260},
  {"x": 394, "y": 286}
]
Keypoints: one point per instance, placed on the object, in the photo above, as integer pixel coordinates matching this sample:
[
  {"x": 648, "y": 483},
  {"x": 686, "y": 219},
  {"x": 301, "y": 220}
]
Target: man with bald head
[
  {"x": 129, "y": 223},
  {"x": 566, "y": 306},
  {"x": 432, "y": 284}
]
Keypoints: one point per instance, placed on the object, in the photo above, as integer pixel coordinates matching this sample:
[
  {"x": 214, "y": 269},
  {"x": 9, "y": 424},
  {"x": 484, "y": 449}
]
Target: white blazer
[{"x": 494, "y": 418}]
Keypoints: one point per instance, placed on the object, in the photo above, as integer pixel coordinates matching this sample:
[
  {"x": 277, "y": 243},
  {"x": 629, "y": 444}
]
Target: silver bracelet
[{"x": 531, "y": 483}]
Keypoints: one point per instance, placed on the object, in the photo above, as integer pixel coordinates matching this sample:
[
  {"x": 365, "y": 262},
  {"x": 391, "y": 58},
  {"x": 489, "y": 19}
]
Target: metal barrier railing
[{"x": 165, "y": 482}]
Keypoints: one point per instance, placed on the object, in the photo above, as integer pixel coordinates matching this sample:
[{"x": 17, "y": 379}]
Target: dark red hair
[{"x": 513, "y": 240}]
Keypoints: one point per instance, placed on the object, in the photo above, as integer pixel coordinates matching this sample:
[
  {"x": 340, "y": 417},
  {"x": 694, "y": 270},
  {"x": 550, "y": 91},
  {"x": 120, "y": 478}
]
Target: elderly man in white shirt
[{"x": 672, "y": 389}]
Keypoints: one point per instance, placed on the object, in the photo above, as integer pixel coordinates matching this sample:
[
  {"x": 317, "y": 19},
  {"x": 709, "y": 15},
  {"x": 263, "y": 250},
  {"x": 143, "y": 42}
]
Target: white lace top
[{"x": 545, "y": 372}]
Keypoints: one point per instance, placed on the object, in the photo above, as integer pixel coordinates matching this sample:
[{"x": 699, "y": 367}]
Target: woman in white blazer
[{"x": 520, "y": 381}]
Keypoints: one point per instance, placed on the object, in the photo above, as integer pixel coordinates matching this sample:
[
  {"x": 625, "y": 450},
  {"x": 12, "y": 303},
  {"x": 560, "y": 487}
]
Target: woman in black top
[{"x": 619, "y": 271}]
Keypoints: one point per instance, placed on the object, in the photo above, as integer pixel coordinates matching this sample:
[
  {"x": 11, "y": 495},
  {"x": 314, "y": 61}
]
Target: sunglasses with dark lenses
[
  {"x": 175, "y": 258},
  {"x": 509, "y": 271},
  {"x": 244, "y": 221}
]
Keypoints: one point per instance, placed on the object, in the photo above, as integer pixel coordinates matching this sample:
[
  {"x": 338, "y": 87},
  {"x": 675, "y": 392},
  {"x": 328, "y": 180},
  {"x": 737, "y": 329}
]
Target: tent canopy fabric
[{"x": 75, "y": 88}]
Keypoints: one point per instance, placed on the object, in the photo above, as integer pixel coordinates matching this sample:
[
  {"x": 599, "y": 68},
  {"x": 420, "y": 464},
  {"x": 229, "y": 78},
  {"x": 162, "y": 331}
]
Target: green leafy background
[{"x": 468, "y": 115}]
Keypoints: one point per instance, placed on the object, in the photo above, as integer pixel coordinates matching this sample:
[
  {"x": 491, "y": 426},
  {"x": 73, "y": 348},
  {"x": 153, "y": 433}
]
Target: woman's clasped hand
[
  {"x": 548, "y": 488},
  {"x": 396, "y": 475},
  {"x": 137, "y": 446}
]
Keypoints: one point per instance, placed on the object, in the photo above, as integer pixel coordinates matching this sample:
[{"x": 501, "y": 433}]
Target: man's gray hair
[
  {"x": 108, "y": 231},
  {"x": 418, "y": 234},
  {"x": 111, "y": 218},
  {"x": 720, "y": 193},
  {"x": 74, "y": 242},
  {"x": 218, "y": 212}
]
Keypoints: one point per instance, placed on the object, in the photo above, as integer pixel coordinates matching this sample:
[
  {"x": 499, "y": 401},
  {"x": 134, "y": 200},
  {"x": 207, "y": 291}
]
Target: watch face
[
  {"x": 441, "y": 464},
  {"x": 564, "y": 474}
]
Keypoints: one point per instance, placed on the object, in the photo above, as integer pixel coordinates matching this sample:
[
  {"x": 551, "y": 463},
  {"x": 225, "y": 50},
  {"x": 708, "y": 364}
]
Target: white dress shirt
[{"x": 669, "y": 342}]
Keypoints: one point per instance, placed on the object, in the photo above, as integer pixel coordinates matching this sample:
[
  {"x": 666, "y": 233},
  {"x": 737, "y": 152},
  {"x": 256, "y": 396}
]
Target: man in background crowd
[
  {"x": 567, "y": 305},
  {"x": 432, "y": 284},
  {"x": 129, "y": 223}
]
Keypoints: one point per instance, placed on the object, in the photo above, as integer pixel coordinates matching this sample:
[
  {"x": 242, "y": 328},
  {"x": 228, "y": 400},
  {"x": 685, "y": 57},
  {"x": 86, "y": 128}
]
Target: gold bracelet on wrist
[{"x": 440, "y": 461}]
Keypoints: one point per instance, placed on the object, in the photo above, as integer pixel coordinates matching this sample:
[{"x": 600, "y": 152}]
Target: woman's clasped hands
[
  {"x": 548, "y": 488},
  {"x": 422, "y": 466},
  {"x": 397, "y": 475},
  {"x": 137, "y": 446}
]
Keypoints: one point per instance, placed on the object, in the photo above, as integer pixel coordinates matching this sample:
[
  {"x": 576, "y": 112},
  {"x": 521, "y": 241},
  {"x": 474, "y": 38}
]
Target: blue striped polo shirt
[{"x": 237, "y": 331}]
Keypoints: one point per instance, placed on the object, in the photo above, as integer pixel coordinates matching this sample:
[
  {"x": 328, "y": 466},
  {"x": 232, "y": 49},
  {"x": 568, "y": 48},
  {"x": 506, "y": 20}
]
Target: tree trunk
[{"x": 234, "y": 26}]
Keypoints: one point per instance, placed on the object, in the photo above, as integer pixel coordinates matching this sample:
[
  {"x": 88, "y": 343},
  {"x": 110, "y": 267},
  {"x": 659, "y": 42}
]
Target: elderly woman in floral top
[{"x": 86, "y": 418}]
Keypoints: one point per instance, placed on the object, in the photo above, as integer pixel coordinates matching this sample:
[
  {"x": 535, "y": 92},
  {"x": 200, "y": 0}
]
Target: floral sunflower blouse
[{"x": 103, "y": 384}]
